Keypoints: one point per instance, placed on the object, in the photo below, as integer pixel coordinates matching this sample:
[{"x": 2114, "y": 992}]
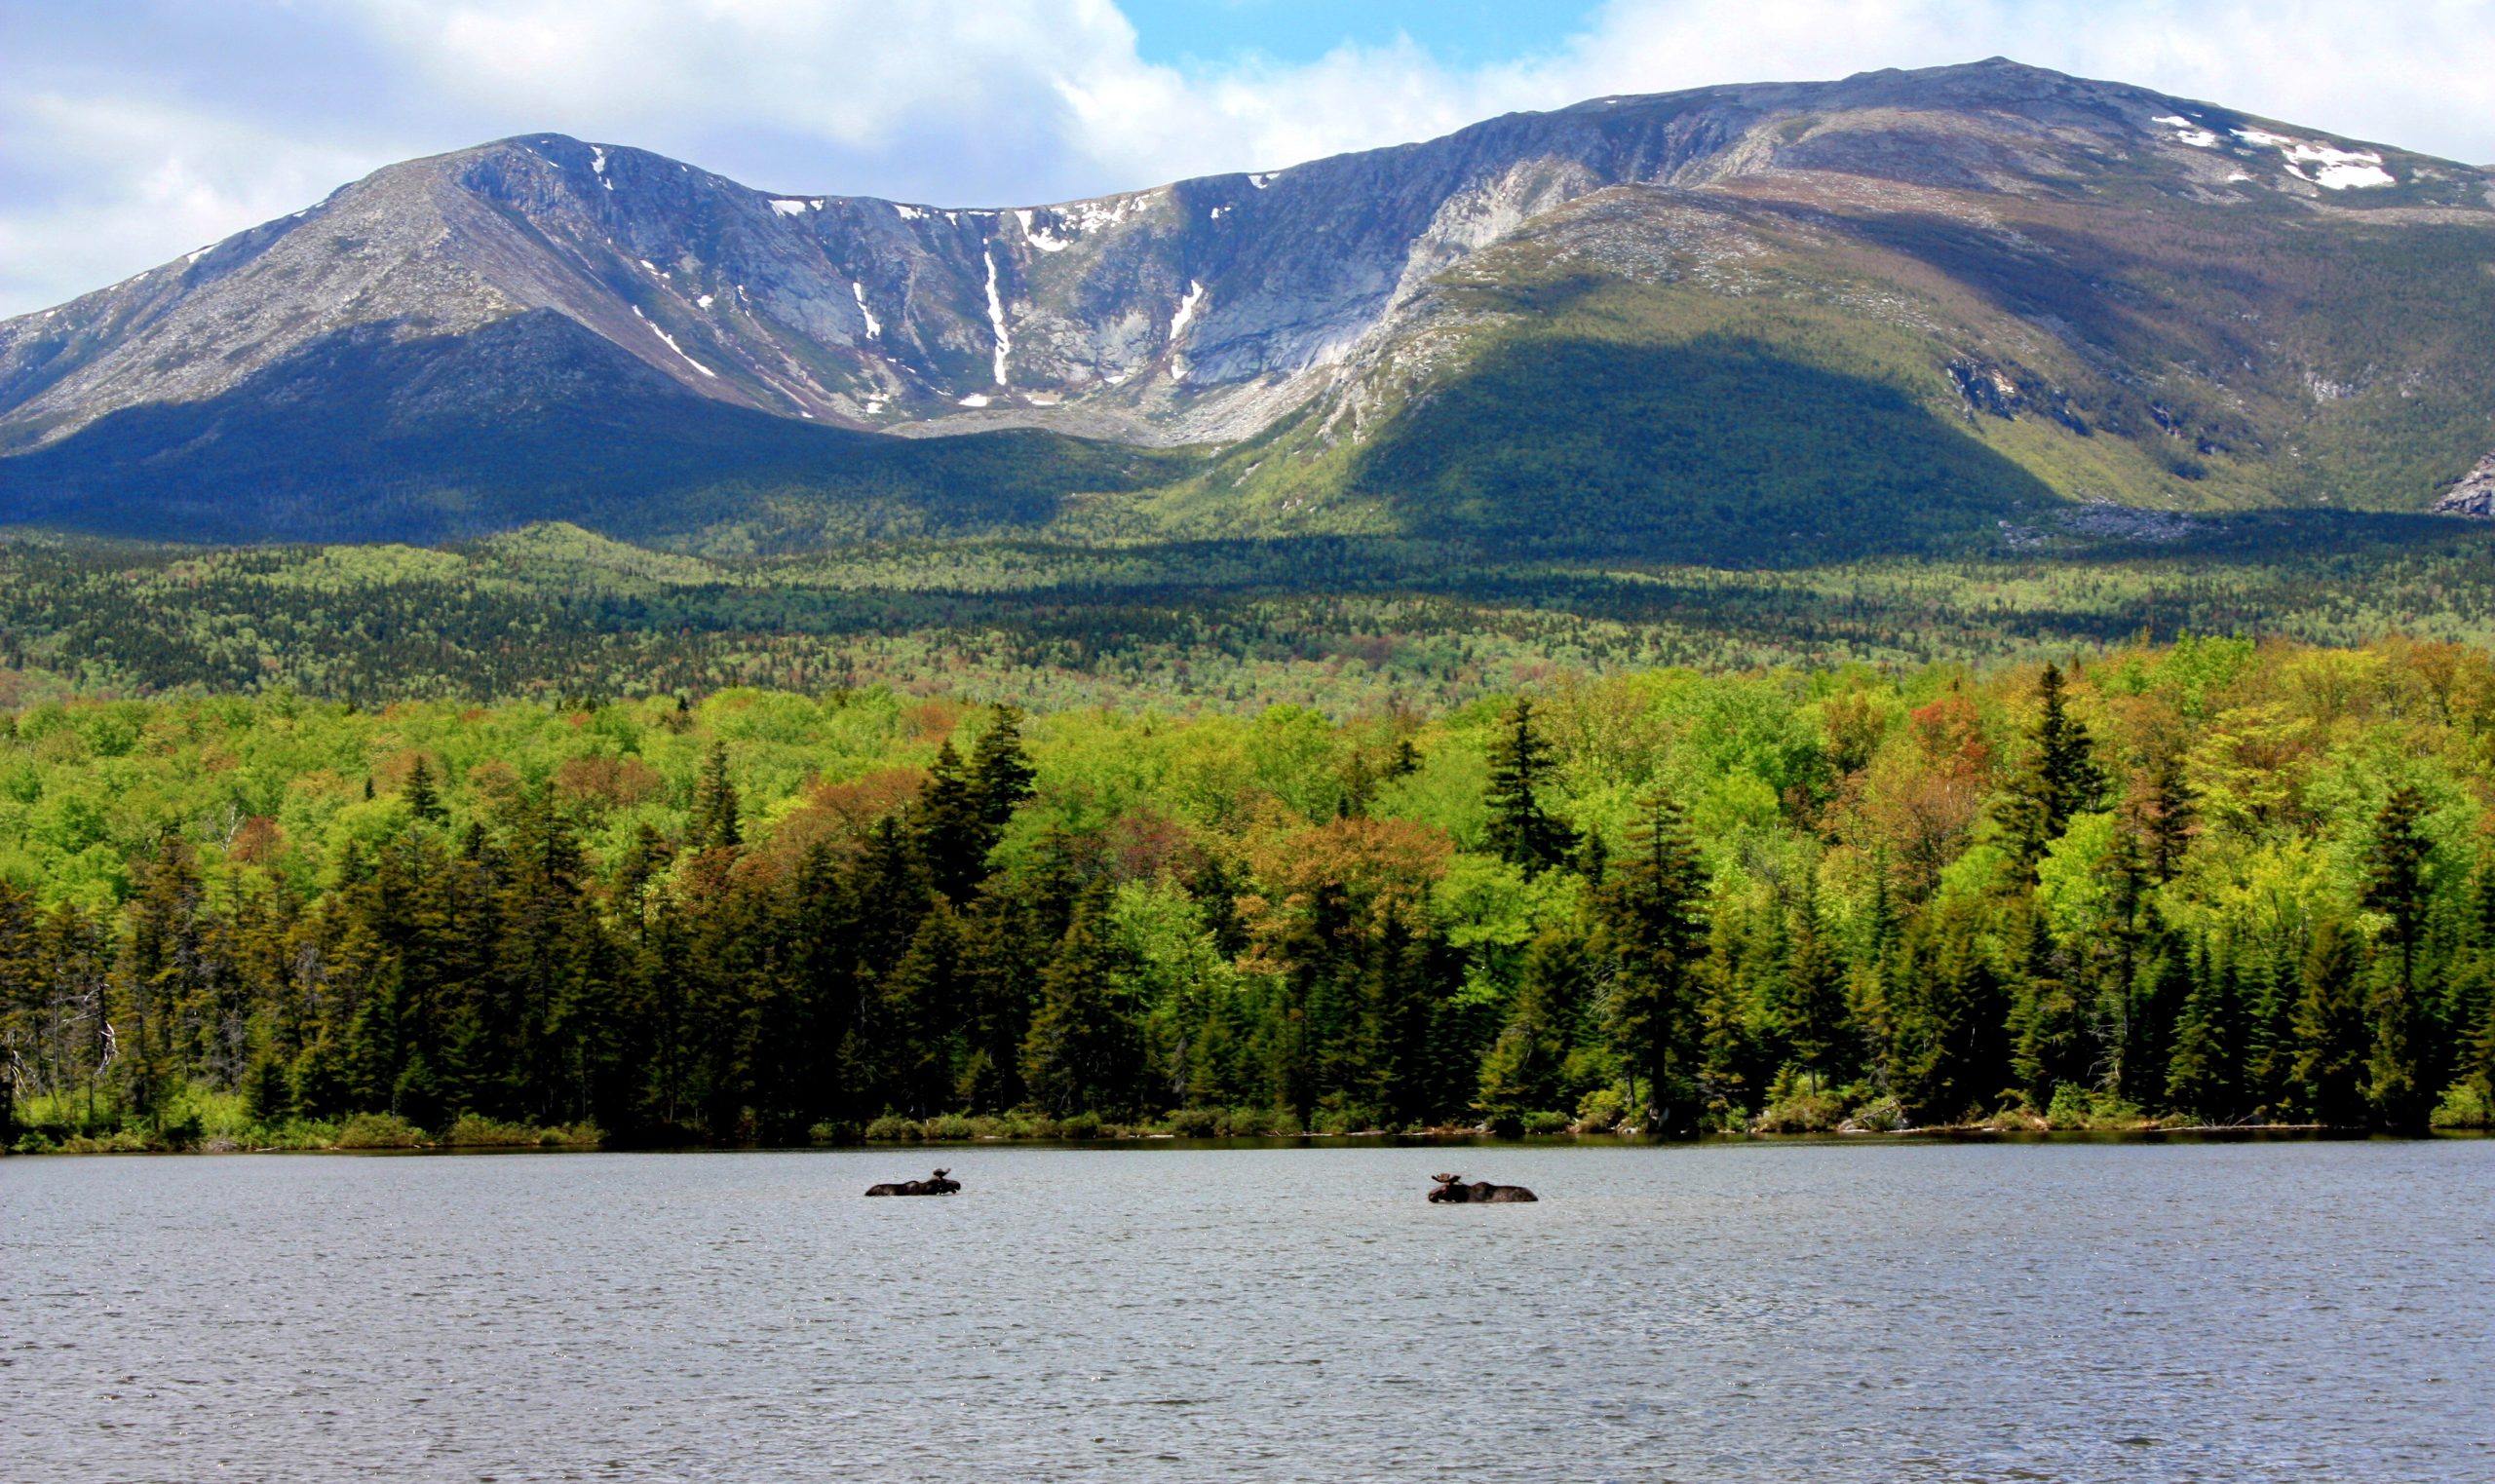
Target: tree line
[{"x": 1960, "y": 910}]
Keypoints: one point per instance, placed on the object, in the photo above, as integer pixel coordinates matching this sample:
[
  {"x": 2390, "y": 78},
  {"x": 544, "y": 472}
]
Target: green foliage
[
  {"x": 775, "y": 916},
  {"x": 379, "y": 1130},
  {"x": 1721, "y": 449}
]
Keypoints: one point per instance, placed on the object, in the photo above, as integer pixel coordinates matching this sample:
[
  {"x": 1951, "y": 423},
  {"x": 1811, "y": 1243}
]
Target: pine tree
[
  {"x": 2059, "y": 779},
  {"x": 2170, "y": 816},
  {"x": 954, "y": 835},
  {"x": 2204, "y": 1075},
  {"x": 424, "y": 803},
  {"x": 2334, "y": 1039},
  {"x": 1520, "y": 831},
  {"x": 2397, "y": 884},
  {"x": 1654, "y": 926},
  {"x": 1817, "y": 1026},
  {"x": 1521, "y": 1073},
  {"x": 1955, "y": 1062},
  {"x": 2049, "y": 1046},
  {"x": 1000, "y": 774},
  {"x": 715, "y": 825},
  {"x": 1084, "y": 1053}
]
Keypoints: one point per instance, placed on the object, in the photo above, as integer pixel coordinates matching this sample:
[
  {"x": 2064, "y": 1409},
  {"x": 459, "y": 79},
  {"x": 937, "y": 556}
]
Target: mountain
[{"x": 1900, "y": 309}]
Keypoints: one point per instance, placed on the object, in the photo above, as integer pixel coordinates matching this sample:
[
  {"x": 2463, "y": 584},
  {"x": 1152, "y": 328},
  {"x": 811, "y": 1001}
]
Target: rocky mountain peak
[{"x": 1211, "y": 310}]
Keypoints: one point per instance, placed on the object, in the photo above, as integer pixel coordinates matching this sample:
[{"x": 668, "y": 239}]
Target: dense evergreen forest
[{"x": 2211, "y": 881}]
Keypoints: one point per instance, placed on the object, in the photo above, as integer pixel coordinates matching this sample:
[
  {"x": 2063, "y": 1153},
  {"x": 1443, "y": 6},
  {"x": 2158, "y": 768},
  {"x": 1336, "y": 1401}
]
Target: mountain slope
[{"x": 2005, "y": 284}]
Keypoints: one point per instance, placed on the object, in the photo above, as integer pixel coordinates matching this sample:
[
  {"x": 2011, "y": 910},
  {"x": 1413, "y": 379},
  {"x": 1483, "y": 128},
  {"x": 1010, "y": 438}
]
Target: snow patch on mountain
[
  {"x": 2336, "y": 170},
  {"x": 2188, "y": 132},
  {"x": 1186, "y": 314},
  {"x": 996, "y": 317},
  {"x": 671, "y": 345}
]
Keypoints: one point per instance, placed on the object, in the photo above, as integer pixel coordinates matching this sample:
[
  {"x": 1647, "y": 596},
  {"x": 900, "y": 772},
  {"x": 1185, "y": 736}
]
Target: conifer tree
[
  {"x": 954, "y": 835},
  {"x": 424, "y": 801},
  {"x": 2204, "y": 1075},
  {"x": 1816, "y": 1026},
  {"x": 2059, "y": 779},
  {"x": 1000, "y": 774},
  {"x": 1521, "y": 1073},
  {"x": 1520, "y": 832},
  {"x": 1391, "y": 1076},
  {"x": 2169, "y": 815},
  {"x": 1955, "y": 1062},
  {"x": 923, "y": 1017},
  {"x": 715, "y": 825},
  {"x": 1654, "y": 926},
  {"x": 2397, "y": 884},
  {"x": 2050, "y": 1045},
  {"x": 162, "y": 961},
  {"x": 2334, "y": 1039},
  {"x": 1084, "y": 1053}
]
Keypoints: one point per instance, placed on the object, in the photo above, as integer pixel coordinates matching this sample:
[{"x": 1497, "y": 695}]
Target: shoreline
[{"x": 1977, "y": 1134}]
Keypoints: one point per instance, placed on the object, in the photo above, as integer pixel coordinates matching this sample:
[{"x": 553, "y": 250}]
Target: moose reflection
[
  {"x": 933, "y": 1185},
  {"x": 1451, "y": 1188}
]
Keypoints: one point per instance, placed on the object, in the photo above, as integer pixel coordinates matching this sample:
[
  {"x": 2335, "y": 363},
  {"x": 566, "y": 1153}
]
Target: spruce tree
[
  {"x": 923, "y": 1017},
  {"x": 1955, "y": 1062},
  {"x": 1084, "y": 1053},
  {"x": 1817, "y": 1026},
  {"x": 2170, "y": 816},
  {"x": 954, "y": 836},
  {"x": 2334, "y": 1042},
  {"x": 424, "y": 802},
  {"x": 2204, "y": 1074},
  {"x": 2397, "y": 884},
  {"x": 715, "y": 825},
  {"x": 1391, "y": 1079},
  {"x": 1521, "y": 1072},
  {"x": 1520, "y": 831},
  {"x": 2050, "y": 1044},
  {"x": 1001, "y": 774},
  {"x": 1654, "y": 926},
  {"x": 2059, "y": 779}
]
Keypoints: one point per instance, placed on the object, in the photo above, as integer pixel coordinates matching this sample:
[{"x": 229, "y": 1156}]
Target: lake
[{"x": 2060, "y": 1310}]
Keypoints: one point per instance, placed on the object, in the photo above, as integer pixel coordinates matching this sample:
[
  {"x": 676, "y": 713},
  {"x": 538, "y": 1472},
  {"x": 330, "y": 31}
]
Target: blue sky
[
  {"x": 132, "y": 131},
  {"x": 1459, "y": 33}
]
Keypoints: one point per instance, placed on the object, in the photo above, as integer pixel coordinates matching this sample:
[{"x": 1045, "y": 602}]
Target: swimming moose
[
  {"x": 1451, "y": 1188},
  {"x": 933, "y": 1185}
]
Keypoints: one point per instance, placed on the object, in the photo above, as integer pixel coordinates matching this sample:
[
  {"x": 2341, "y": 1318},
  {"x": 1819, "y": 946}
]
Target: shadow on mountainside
[
  {"x": 364, "y": 435},
  {"x": 1719, "y": 450}
]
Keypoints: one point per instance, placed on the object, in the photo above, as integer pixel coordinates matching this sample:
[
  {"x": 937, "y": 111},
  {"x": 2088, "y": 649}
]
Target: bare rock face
[{"x": 2474, "y": 496}]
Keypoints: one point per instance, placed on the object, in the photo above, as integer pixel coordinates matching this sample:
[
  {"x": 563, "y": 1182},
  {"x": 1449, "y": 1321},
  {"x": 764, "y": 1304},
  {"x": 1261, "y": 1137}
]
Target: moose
[
  {"x": 1452, "y": 1189},
  {"x": 933, "y": 1185}
]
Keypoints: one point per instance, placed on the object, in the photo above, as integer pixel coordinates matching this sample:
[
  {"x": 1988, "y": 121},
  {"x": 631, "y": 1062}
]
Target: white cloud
[
  {"x": 133, "y": 182},
  {"x": 1007, "y": 104}
]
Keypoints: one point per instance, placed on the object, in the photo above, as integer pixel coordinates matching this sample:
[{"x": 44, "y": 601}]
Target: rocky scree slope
[{"x": 2092, "y": 290}]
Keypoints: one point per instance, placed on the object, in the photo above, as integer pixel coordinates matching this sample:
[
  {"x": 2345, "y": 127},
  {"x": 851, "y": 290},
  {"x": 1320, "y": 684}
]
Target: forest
[
  {"x": 2213, "y": 882},
  {"x": 553, "y": 612}
]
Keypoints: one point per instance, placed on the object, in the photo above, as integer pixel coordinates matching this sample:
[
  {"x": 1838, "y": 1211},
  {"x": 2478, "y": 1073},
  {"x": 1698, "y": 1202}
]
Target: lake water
[{"x": 1750, "y": 1311}]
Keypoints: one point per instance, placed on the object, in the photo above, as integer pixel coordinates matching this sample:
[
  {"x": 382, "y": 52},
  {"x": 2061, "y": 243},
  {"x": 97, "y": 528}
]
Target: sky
[{"x": 132, "y": 131}]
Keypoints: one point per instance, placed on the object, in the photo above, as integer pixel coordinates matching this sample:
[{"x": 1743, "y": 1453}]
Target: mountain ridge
[{"x": 1218, "y": 310}]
